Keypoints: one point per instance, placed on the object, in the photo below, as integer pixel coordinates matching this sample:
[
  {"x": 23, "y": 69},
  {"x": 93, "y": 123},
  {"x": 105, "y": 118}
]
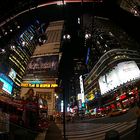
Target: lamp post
[
  {"x": 64, "y": 123},
  {"x": 64, "y": 97}
]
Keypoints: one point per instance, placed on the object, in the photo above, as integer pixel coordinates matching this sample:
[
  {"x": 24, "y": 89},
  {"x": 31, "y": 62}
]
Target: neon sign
[{"x": 39, "y": 85}]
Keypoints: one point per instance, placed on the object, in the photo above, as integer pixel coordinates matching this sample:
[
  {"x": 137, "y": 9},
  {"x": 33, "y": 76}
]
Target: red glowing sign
[{"x": 122, "y": 97}]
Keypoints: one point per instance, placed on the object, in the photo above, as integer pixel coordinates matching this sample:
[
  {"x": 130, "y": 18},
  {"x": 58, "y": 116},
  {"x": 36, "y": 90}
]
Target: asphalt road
[
  {"x": 129, "y": 116},
  {"x": 96, "y": 129},
  {"x": 87, "y": 129}
]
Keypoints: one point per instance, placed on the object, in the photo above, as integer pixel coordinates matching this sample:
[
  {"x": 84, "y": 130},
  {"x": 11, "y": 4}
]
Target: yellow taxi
[{"x": 117, "y": 112}]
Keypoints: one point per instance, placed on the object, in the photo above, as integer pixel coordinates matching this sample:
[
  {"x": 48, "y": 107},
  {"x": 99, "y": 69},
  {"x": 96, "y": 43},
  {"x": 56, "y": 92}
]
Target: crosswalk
[{"x": 94, "y": 131}]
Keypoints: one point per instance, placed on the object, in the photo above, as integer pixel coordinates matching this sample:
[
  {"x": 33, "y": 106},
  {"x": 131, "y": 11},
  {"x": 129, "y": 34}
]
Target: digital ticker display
[{"x": 39, "y": 85}]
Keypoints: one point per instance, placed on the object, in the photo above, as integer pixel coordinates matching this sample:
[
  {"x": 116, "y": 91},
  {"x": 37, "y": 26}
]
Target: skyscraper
[{"x": 42, "y": 70}]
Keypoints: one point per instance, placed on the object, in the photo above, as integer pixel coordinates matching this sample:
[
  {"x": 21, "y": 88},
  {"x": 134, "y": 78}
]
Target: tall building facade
[
  {"x": 15, "y": 57},
  {"x": 42, "y": 70},
  {"x": 114, "y": 71}
]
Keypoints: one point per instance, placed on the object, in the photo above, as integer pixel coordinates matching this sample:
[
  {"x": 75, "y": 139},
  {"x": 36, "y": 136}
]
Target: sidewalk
[
  {"x": 17, "y": 132},
  {"x": 53, "y": 132}
]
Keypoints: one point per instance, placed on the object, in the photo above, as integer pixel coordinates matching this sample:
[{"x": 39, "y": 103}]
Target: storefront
[
  {"x": 121, "y": 79},
  {"x": 123, "y": 100},
  {"x": 119, "y": 88}
]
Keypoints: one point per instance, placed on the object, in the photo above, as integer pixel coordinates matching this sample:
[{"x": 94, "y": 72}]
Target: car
[{"x": 117, "y": 112}]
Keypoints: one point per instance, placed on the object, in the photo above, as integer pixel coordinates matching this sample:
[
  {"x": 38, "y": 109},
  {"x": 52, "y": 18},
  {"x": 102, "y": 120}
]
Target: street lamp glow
[
  {"x": 68, "y": 36},
  {"x": 18, "y": 26},
  {"x": 64, "y": 36},
  {"x": 87, "y": 36},
  {"x": 78, "y": 20},
  {"x": 5, "y": 33},
  {"x": 13, "y": 47},
  {"x": 31, "y": 37},
  {"x": 23, "y": 43},
  {"x": 3, "y": 50}
]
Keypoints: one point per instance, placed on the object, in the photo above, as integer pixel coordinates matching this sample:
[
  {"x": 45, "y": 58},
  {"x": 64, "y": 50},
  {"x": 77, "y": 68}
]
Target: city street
[
  {"x": 97, "y": 128},
  {"x": 87, "y": 129},
  {"x": 70, "y": 70}
]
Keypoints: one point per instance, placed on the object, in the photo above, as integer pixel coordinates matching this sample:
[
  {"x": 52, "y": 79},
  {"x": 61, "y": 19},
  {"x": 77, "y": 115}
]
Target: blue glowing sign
[
  {"x": 87, "y": 58},
  {"x": 7, "y": 83}
]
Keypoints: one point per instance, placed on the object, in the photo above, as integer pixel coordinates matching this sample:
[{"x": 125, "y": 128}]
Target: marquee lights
[{"x": 39, "y": 85}]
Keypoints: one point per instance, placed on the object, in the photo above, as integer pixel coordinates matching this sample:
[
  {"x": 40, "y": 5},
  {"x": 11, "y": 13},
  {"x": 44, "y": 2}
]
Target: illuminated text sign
[{"x": 39, "y": 85}]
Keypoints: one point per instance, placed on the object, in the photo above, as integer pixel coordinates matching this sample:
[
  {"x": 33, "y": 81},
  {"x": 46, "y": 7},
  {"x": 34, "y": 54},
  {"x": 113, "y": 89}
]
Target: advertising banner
[
  {"x": 44, "y": 65},
  {"x": 12, "y": 74},
  {"x": 122, "y": 73},
  {"x": 7, "y": 83}
]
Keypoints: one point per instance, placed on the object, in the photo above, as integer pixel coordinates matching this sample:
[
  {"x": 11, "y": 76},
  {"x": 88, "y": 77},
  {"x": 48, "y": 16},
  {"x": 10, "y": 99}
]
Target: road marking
[{"x": 90, "y": 131}]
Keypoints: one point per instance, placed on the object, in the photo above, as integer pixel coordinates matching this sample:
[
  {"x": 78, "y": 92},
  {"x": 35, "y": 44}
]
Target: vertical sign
[{"x": 82, "y": 88}]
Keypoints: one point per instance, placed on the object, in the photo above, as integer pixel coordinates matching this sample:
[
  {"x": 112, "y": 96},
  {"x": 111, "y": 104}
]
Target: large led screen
[
  {"x": 120, "y": 74},
  {"x": 12, "y": 74},
  {"x": 44, "y": 65},
  {"x": 7, "y": 83}
]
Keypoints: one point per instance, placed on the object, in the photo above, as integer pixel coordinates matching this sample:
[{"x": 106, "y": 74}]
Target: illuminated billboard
[
  {"x": 12, "y": 74},
  {"x": 122, "y": 73},
  {"x": 82, "y": 88},
  {"x": 44, "y": 65},
  {"x": 43, "y": 85},
  {"x": 7, "y": 83}
]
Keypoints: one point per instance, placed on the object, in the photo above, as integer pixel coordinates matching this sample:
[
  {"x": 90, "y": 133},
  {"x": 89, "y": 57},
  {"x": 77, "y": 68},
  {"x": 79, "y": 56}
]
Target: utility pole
[
  {"x": 64, "y": 97},
  {"x": 82, "y": 11},
  {"x": 64, "y": 116}
]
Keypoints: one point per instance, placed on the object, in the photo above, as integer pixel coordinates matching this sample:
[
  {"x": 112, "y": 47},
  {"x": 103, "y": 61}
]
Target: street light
[
  {"x": 67, "y": 37},
  {"x": 2, "y": 51},
  {"x": 13, "y": 47},
  {"x": 11, "y": 30},
  {"x": 56, "y": 96},
  {"x": 18, "y": 27},
  {"x": 23, "y": 43},
  {"x": 5, "y": 33},
  {"x": 87, "y": 36}
]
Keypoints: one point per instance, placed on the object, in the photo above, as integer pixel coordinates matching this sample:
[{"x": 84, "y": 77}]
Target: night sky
[{"x": 70, "y": 14}]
